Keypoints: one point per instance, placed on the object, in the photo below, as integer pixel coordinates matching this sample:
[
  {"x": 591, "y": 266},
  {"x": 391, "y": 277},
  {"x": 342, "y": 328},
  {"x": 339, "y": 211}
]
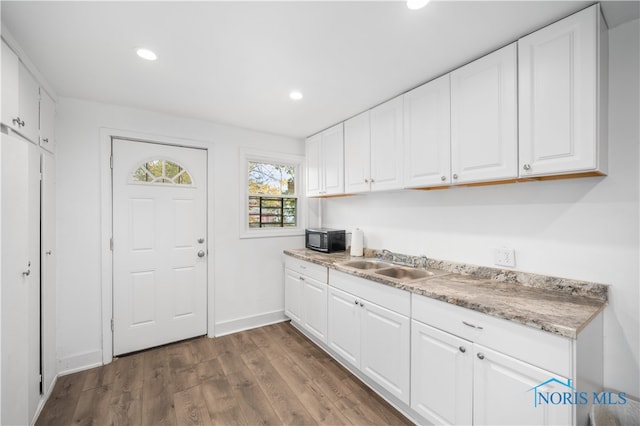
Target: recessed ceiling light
[
  {"x": 295, "y": 95},
  {"x": 147, "y": 54},
  {"x": 416, "y": 4}
]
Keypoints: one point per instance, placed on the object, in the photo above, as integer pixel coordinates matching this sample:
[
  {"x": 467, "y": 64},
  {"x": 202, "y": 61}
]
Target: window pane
[
  {"x": 271, "y": 179},
  {"x": 271, "y": 212}
]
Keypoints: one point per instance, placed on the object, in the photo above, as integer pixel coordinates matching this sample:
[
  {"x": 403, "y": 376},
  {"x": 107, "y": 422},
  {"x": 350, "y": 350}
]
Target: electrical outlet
[{"x": 503, "y": 256}]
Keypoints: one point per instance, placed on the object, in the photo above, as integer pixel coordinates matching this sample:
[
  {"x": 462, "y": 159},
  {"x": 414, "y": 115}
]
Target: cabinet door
[
  {"x": 293, "y": 295},
  {"x": 344, "y": 326},
  {"x": 333, "y": 160},
  {"x": 28, "y": 102},
  {"x": 558, "y": 83},
  {"x": 427, "y": 135},
  {"x": 47, "y": 121},
  {"x": 386, "y": 343},
  {"x": 20, "y": 261},
  {"x": 314, "y": 296},
  {"x": 441, "y": 375},
  {"x": 484, "y": 144},
  {"x": 504, "y": 392},
  {"x": 387, "y": 145},
  {"x": 314, "y": 165},
  {"x": 10, "y": 82},
  {"x": 357, "y": 158}
]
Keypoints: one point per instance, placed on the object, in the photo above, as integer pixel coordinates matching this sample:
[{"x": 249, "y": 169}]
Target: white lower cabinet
[
  {"x": 442, "y": 371},
  {"x": 305, "y": 296},
  {"x": 369, "y": 327},
  {"x": 472, "y": 368},
  {"x": 504, "y": 391}
]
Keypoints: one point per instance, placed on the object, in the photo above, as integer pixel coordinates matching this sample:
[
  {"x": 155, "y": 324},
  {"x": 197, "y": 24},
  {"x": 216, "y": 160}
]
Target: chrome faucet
[{"x": 405, "y": 260}]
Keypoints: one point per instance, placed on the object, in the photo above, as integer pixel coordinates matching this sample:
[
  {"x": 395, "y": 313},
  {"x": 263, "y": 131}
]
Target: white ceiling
[{"x": 236, "y": 62}]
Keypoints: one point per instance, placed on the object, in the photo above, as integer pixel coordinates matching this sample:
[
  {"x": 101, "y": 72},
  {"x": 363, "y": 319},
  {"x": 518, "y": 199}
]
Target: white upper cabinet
[
  {"x": 427, "y": 135},
  {"x": 562, "y": 75},
  {"x": 357, "y": 154},
  {"x": 484, "y": 144},
  {"x": 325, "y": 162},
  {"x": 47, "y": 121},
  {"x": 373, "y": 149},
  {"x": 20, "y": 96},
  {"x": 386, "y": 145}
]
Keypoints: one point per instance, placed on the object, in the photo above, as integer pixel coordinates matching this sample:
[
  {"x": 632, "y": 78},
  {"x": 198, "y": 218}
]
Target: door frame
[{"x": 106, "y": 225}]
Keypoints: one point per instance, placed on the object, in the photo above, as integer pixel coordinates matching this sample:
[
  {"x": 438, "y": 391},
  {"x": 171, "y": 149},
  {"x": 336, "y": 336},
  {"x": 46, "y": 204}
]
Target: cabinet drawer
[
  {"x": 306, "y": 268},
  {"x": 543, "y": 349},
  {"x": 386, "y": 296}
]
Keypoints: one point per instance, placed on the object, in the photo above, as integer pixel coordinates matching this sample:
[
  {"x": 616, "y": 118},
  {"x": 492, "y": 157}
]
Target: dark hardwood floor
[{"x": 270, "y": 375}]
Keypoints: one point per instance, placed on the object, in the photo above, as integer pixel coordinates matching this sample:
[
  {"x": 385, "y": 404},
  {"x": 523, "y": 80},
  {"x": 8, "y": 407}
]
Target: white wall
[
  {"x": 247, "y": 274},
  {"x": 585, "y": 229}
]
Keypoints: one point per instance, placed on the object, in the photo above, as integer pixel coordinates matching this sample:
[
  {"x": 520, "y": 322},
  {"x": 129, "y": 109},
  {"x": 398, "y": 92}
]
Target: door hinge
[
  {"x": 111, "y": 244},
  {"x": 112, "y": 324}
]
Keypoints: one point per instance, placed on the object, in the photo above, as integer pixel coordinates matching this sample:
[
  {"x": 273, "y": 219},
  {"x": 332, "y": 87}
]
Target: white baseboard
[
  {"x": 79, "y": 362},
  {"x": 247, "y": 323}
]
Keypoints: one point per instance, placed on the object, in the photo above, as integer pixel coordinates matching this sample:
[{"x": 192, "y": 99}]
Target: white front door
[{"x": 159, "y": 244}]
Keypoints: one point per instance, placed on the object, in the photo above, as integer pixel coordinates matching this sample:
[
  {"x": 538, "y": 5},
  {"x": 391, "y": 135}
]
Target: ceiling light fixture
[
  {"x": 416, "y": 4},
  {"x": 295, "y": 95},
  {"x": 147, "y": 54}
]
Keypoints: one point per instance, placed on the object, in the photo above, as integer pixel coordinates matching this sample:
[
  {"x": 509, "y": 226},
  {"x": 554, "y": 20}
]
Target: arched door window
[{"x": 161, "y": 172}]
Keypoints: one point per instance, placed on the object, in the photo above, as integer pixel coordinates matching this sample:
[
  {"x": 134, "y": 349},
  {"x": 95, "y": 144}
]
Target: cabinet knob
[
  {"x": 366, "y": 181},
  {"x": 443, "y": 178},
  {"x": 480, "y": 355},
  {"x": 48, "y": 252},
  {"x": 462, "y": 349},
  {"x": 372, "y": 181},
  {"x": 355, "y": 302},
  {"x": 527, "y": 167},
  {"x": 361, "y": 304},
  {"x": 455, "y": 176},
  {"x": 26, "y": 273},
  {"x": 201, "y": 253},
  {"x": 18, "y": 122},
  {"x": 45, "y": 140}
]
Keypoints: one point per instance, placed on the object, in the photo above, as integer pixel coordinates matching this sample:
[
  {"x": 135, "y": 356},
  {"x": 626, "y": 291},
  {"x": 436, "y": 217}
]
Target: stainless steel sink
[
  {"x": 404, "y": 273},
  {"x": 366, "y": 264}
]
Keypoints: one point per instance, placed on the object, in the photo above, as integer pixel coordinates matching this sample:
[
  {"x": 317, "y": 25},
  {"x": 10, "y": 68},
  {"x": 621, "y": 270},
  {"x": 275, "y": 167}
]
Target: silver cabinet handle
[
  {"x": 301, "y": 278},
  {"x": 366, "y": 181},
  {"x": 471, "y": 325},
  {"x": 18, "y": 122},
  {"x": 48, "y": 252},
  {"x": 361, "y": 304},
  {"x": 443, "y": 178},
  {"x": 372, "y": 181},
  {"x": 201, "y": 253},
  {"x": 462, "y": 349},
  {"x": 26, "y": 273},
  {"x": 455, "y": 176},
  {"x": 355, "y": 302},
  {"x": 45, "y": 140},
  {"x": 527, "y": 167},
  {"x": 480, "y": 355},
  {"x": 200, "y": 240}
]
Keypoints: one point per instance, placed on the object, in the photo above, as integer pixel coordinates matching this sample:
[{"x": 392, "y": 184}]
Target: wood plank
[
  {"x": 191, "y": 408},
  {"x": 126, "y": 408},
  {"x": 229, "y": 356},
  {"x": 223, "y": 407},
  {"x": 93, "y": 406},
  {"x": 100, "y": 376},
  {"x": 180, "y": 355},
  {"x": 254, "y": 404},
  {"x": 203, "y": 349},
  {"x": 209, "y": 370},
  {"x": 308, "y": 391},
  {"x": 61, "y": 405},
  {"x": 284, "y": 401}
]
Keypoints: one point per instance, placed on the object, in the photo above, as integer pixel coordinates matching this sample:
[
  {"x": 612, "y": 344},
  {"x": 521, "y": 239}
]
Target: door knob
[{"x": 201, "y": 253}]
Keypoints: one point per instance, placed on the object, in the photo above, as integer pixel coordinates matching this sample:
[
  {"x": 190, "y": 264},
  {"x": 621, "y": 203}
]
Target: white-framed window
[{"x": 271, "y": 203}]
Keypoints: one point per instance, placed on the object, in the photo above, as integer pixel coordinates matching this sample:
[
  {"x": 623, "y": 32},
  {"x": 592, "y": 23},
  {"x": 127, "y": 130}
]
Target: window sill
[{"x": 271, "y": 233}]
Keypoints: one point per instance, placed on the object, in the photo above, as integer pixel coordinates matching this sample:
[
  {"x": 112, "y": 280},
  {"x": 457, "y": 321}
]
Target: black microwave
[{"x": 325, "y": 240}]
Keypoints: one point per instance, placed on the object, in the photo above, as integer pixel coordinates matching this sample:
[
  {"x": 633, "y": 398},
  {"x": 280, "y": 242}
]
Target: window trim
[{"x": 247, "y": 155}]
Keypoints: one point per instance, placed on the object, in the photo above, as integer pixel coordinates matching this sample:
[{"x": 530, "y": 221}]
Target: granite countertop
[{"x": 556, "y": 305}]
